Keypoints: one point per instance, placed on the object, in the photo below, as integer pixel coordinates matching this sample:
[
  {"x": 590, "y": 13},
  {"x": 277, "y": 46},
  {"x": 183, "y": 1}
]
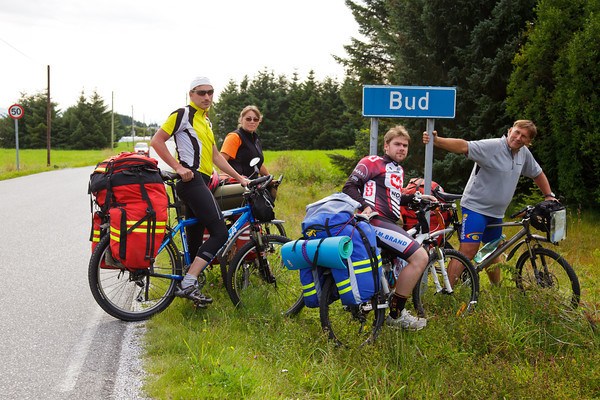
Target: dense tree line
[
  {"x": 84, "y": 126},
  {"x": 508, "y": 59},
  {"x": 297, "y": 115},
  {"x": 556, "y": 82}
]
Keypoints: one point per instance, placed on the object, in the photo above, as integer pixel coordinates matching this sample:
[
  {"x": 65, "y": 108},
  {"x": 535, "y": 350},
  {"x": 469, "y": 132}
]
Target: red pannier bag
[
  {"x": 409, "y": 217},
  {"x": 131, "y": 206}
]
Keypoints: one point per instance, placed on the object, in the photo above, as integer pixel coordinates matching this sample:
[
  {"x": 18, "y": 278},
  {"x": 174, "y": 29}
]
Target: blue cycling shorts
[{"x": 475, "y": 227}]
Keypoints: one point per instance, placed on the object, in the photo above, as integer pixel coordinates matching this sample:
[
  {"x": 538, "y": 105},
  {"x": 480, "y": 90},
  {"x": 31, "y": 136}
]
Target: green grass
[
  {"x": 33, "y": 161},
  {"x": 512, "y": 347}
]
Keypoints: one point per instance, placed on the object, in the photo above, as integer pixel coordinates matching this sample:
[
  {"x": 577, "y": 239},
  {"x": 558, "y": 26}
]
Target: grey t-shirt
[{"x": 495, "y": 174}]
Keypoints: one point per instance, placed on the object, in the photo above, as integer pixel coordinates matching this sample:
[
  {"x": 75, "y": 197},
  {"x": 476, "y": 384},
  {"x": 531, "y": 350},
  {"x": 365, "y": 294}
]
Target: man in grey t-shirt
[{"x": 498, "y": 165}]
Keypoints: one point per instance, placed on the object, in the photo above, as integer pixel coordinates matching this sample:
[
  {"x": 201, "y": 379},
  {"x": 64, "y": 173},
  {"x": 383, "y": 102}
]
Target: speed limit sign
[{"x": 16, "y": 111}]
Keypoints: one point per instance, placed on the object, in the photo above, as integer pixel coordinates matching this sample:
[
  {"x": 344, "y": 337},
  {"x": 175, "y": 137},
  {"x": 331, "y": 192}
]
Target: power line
[{"x": 19, "y": 51}]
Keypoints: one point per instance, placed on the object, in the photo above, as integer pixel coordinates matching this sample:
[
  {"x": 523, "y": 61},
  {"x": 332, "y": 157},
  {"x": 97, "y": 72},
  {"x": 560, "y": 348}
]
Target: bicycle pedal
[{"x": 200, "y": 304}]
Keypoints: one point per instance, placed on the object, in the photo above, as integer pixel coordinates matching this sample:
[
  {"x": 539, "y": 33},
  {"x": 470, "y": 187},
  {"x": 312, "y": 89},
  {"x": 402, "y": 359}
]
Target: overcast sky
[{"x": 146, "y": 52}]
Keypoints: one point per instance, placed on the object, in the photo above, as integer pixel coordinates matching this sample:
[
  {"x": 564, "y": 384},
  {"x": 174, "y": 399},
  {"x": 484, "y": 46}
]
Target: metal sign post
[
  {"x": 16, "y": 112},
  {"x": 409, "y": 102}
]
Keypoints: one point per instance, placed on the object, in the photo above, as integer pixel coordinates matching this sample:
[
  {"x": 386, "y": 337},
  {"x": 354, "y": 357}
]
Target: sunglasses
[
  {"x": 204, "y": 92},
  {"x": 250, "y": 119}
]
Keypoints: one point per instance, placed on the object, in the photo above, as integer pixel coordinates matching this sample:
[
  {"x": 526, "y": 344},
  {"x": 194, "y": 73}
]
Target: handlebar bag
[
  {"x": 262, "y": 205},
  {"x": 131, "y": 206},
  {"x": 542, "y": 218}
]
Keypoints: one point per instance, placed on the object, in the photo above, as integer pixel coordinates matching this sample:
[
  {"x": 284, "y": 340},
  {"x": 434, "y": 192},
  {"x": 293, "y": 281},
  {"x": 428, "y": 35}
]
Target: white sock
[{"x": 188, "y": 280}]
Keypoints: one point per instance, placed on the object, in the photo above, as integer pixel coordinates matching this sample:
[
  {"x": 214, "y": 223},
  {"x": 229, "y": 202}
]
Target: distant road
[
  {"x": 161, "y": 164},
  {"x": 55, "y": 342}
]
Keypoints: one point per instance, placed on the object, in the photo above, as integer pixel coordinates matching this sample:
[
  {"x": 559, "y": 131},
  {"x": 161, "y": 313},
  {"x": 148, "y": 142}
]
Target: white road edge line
[{"x": 79, "y": 353}]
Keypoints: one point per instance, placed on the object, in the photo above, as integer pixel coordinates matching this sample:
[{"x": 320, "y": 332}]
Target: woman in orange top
[{"x": 243, "y": 144}]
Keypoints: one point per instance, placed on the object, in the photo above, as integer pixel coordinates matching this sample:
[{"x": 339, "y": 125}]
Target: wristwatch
[{"x": 551, "y": 194}]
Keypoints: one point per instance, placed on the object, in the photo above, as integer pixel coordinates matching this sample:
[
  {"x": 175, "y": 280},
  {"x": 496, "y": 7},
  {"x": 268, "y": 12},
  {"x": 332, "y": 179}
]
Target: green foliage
[
  {"x": 555, "y": 83},
  {"x": 297, "y": 115},
  {"x": 33, "y": 125},
  {"x": 440, "y": 43},
  {"x": 85, "y": 126}
]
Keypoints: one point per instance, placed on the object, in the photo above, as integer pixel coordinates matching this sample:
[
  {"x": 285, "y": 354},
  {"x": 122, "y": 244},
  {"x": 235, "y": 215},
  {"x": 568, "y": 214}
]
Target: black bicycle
[{"x": 538, "y": 268}]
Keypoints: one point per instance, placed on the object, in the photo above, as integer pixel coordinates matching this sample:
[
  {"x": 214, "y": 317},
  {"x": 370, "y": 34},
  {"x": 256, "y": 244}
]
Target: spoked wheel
[
  {"x": 274, "y": 228},
  {"x": 353, "y": 325},
  {"x": 225, "y": 260},
  {"x": 132, "y": 295},
  {"x": 430, "y": 295},
  {"x": 257, "y": 276},
  {"x": 548, "y": 271}
]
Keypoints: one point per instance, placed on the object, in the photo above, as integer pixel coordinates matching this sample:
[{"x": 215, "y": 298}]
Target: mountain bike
[
  {"x": 134, "y": 295},
  {"x": 352, "y": 325},
  {"x": 434, "y": 292},
  {"x": 538, "y": 267}
]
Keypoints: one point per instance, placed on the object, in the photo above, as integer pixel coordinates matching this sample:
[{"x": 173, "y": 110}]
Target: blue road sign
[{"x": 409, "y": 101}]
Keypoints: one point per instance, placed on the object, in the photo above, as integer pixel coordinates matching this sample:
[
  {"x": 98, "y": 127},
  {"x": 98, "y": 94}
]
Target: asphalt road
[{"x": 55, "y": 342}]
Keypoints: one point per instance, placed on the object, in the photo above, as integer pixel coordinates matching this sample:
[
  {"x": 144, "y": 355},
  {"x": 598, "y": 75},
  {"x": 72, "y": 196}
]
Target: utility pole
[
  {"x": 48, "y": 120},
  {"x": 112, "y": 121},
  {"x": 132, "y": 129}
]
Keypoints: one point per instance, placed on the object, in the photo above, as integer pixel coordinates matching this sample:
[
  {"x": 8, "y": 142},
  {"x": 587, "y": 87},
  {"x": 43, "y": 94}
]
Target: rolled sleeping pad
[{"x": 333, "y": 252}]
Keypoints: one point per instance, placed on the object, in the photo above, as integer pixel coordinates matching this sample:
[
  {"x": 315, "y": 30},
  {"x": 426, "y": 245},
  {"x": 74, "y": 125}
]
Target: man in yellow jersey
[{"x": 196, "y": 154}]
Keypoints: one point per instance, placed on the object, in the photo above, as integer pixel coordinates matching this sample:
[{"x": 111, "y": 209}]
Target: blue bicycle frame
[{"x": 234, "y": 232}]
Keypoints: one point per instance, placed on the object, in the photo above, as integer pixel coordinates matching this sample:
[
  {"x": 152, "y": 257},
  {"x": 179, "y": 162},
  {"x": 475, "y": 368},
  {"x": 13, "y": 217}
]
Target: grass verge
[{"x": 514, "y": 346}]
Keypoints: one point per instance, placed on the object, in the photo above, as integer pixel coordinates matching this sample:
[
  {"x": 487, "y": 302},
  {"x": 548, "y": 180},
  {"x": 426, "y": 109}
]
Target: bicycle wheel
[
  {"x": 431, "y": 295},
  {"x": 278, "y": 227},
  {"x": 353, "y": 325},
  {"x": 132, "y": 295},
  {"x": 226, "y": 259},
  {"x": 547, "y": 270},
  {"x": 257, "y": 277}
]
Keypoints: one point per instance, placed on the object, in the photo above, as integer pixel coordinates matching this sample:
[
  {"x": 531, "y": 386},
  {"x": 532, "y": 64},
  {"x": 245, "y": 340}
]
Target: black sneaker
[{"x": 193, "y": 293}]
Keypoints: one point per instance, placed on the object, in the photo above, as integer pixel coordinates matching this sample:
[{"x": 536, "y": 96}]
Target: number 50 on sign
[{"x": 16, "y": 111}]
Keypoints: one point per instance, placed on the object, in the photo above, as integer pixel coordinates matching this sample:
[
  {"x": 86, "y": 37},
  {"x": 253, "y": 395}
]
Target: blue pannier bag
[
  {"x": 359, "y": 281},
  {"x": 329, "y": 252}
]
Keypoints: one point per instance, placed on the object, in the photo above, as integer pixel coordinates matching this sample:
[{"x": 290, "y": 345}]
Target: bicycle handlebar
[
  {"x": 421, "y": 203},
  {"x": 171, "y": 176},
  {"x": 263, "y": 179}
]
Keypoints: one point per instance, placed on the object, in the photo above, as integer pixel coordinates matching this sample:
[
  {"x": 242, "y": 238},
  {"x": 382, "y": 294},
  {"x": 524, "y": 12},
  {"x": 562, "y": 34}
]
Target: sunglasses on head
[
  {"x": 250, "y": 119},
  {"x": 204, "y": 92}
]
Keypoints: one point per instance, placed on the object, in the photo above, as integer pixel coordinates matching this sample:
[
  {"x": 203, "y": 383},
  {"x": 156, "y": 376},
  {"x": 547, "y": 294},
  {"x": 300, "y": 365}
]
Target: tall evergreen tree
[
  {"x": 33, "y": 125},
  {"x": 269, "y": 94},
  {"x": 555, "y": 83},
  {"x": 335, "y": 131},
  {"x": 440, "y": 43},
  {"x": 87, "y": 124}
]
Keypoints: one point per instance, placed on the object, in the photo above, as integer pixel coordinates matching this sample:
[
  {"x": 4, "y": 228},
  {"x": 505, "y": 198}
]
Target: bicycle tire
[
  {"x": 566, "y": 288},
  {"x": 278, "y": 225},
  {"x": 251, "y": 285},
  {"x": 226, "y": 258},
  {"x": 132, "y": 295},
  {"x": 464, "y": 296},
  {"x": 348, "y": 325}
]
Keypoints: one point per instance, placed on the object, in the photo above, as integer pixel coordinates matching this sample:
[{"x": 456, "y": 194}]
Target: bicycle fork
[
  {"x": 441, "y": 264},
  {"x": 542, "y": 275},
  {"x": 262, "y": 250}
]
